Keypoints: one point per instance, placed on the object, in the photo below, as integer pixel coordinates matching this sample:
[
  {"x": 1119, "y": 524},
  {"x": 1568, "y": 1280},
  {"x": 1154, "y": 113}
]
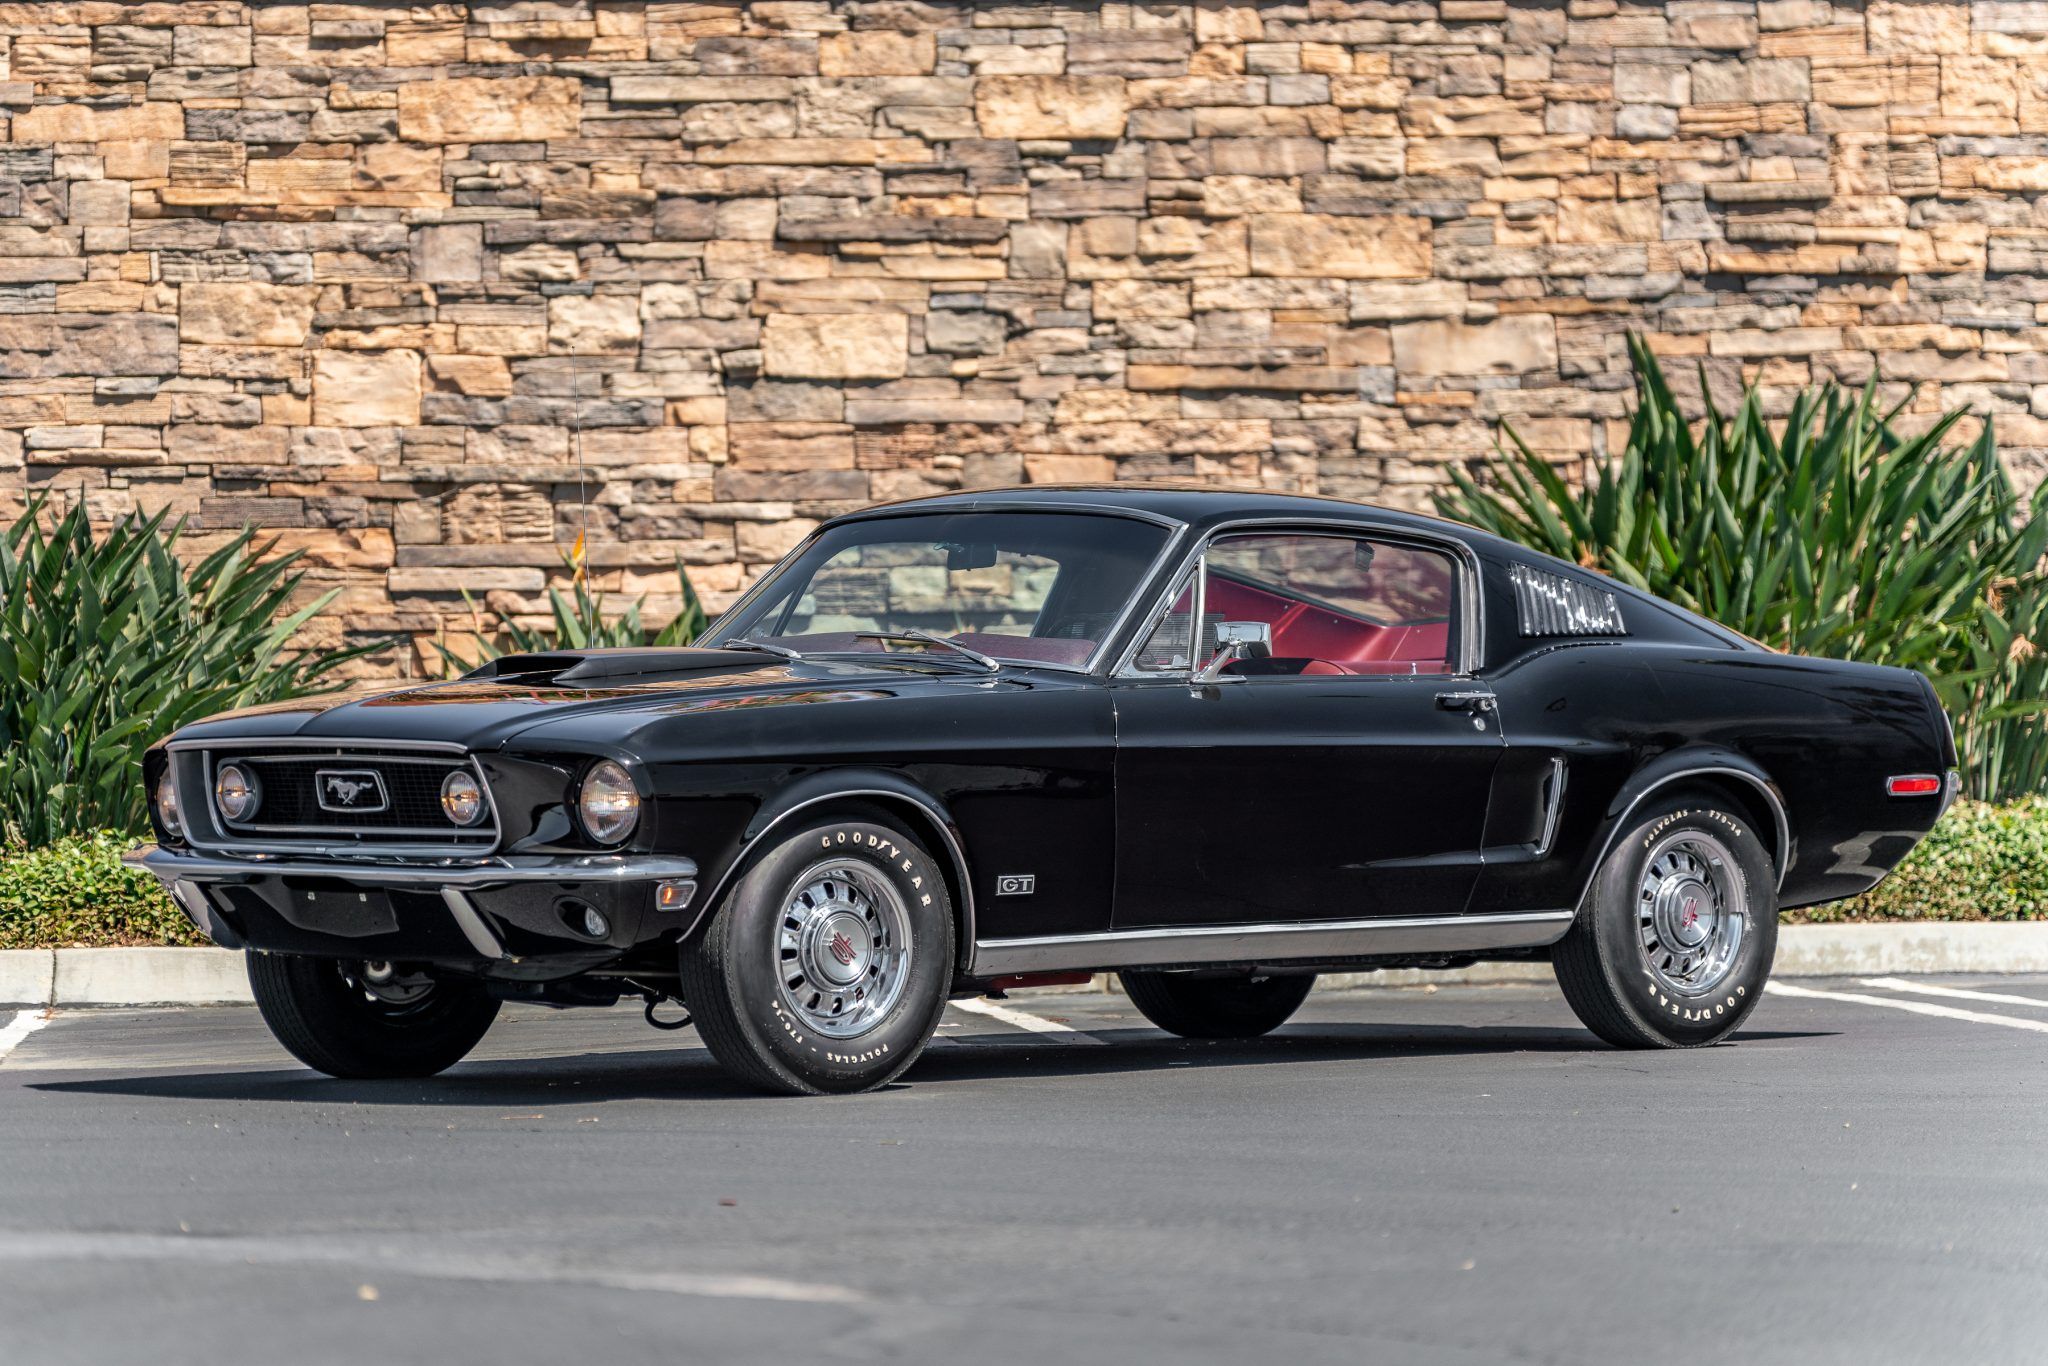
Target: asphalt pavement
[{"x": 1457, "y": 1176}]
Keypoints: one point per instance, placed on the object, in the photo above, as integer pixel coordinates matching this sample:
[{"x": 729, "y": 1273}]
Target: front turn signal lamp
[{"x": 607, "y": 803}]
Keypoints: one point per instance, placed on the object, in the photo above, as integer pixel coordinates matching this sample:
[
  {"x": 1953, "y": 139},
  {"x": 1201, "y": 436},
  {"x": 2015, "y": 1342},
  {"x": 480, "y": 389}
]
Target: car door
[{"x": 1343, "y": 776}]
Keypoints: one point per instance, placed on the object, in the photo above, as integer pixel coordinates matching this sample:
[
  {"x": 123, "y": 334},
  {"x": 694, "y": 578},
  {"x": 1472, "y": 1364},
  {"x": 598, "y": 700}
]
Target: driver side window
[{"x": 1330, "y": 604}]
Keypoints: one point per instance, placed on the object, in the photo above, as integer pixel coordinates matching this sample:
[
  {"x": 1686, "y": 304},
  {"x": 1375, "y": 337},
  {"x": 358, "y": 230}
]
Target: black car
[{"x": 1217, "y": 742}]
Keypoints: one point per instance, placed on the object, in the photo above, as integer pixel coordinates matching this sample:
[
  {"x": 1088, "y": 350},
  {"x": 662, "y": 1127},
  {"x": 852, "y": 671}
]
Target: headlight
[
  {"x": 462, "y": 798},
  {"x": 165, "y": 800},
  {"x": 607, "y": 803},
  {"x": 235, "y": 791}
]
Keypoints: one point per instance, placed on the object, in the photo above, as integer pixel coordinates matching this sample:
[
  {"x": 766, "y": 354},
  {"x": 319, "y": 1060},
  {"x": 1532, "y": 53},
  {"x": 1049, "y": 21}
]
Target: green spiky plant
[
  {"x": 1829, "y": 533},
  {"x": 108, "y": 642},
  {"x": 582, "y": 620}
]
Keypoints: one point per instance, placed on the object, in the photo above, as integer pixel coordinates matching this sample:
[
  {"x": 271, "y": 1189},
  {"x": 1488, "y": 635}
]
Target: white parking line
[
  {"x": 1916, "y": 1007},
  {"x": 1024, "y": 1020},
  {"x": 427, "y": 1261},
  {"x": 1956, "y": 993},
  {"x": 19, "y": 1028}
]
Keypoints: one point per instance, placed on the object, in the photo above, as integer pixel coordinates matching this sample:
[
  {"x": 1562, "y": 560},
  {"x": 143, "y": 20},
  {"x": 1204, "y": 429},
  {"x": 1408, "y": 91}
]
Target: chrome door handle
[{"x": 1476, "y": 702}]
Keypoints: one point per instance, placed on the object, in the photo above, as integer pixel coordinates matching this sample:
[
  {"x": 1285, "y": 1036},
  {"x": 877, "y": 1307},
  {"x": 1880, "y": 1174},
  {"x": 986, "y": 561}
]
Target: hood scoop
[{"x": 570, "y": 667}]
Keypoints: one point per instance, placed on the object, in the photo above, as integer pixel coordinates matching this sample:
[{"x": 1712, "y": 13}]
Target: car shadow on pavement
[{"x": 687, "y": 1073}]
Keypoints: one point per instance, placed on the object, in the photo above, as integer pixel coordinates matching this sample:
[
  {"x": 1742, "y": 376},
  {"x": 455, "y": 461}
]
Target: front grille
[{"x": 372, "y": 796}]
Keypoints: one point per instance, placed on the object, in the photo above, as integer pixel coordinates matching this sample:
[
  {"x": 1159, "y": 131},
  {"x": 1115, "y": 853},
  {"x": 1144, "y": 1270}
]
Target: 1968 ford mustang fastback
[{"x": 1217, "y": 742}]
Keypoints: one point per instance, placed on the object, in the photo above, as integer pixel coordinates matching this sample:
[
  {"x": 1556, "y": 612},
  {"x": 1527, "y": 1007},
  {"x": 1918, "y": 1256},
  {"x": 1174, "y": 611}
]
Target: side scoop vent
[{"x": 1553, "y": 605}]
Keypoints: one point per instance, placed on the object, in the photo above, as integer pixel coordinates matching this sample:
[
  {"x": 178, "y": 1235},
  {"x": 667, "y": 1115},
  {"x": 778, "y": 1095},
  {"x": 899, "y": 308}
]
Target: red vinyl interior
[{"x": 1327, "y": 641}]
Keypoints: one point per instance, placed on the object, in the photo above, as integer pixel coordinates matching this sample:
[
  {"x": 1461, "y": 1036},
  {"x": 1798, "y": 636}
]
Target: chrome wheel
[
  {"x": 844, "y": 948},
  {"x": 1691, "y": 913}
]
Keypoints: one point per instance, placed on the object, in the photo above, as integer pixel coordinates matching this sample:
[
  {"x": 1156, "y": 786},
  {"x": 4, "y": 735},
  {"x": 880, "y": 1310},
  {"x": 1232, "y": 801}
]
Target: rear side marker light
[{"x": 1913, "y": 785}]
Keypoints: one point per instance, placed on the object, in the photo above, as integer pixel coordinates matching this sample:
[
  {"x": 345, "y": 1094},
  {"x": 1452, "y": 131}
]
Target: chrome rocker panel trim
[
  {"x": 1454, "y": 934},
  {"x": 172, "y": 866}
]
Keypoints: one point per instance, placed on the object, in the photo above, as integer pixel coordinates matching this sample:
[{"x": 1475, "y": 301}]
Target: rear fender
[{"x": 1694, "y": 765}]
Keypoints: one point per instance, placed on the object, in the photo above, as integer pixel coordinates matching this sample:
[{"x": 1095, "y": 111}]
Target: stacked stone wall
[{"x": 432, "y": 290}]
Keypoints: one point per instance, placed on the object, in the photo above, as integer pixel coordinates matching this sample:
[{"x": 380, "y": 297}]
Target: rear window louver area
[{"x": 1553, "y": 605}]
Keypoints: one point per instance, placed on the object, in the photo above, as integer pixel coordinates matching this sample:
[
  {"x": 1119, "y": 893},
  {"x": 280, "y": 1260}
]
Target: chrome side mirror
[{"x": 1236, "y": 640}]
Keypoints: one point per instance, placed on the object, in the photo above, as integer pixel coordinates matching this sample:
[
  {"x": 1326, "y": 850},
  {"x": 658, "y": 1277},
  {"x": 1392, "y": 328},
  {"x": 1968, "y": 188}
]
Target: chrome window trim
[
  {"x": 1194, "y": 944},
  {"x": 1471, "y": 604},
  {"x": 1175, "y": 528},
  {"x": 345, "y": 747}
]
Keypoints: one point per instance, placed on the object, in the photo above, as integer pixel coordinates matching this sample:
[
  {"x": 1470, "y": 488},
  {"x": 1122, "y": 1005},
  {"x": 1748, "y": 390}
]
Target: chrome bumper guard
[{"x": 182, "y": 872}]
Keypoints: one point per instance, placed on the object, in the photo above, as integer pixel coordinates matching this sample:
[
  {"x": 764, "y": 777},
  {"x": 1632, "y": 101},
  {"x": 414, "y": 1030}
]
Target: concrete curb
[{"x": 151, "y": 977}]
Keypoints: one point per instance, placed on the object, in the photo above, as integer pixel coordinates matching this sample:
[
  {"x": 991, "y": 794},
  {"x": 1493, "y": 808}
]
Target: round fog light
[
  {"x": 234, "y": 789},
  {"x": 167, "y": 807},
  {"x": 594, "y": 923},
  {"x": 462, "y": 798}
]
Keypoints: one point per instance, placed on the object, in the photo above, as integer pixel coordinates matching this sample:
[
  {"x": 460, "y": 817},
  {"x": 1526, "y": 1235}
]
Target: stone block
[
  {"x": 246, "y": 313},
  {"x": 448, "y": 253},
  {"x": 1393, "y": 246},
  {"x": 877, "y": 52},
  {"x": 1051, "y": 107},
  {"x": 836, "y": 345},
  {"x": 366, "y": 388},
  {"x": 1516, "y": 345},
  {"x": 490, "y": 109},
  {"x": 593, "y": 325}
]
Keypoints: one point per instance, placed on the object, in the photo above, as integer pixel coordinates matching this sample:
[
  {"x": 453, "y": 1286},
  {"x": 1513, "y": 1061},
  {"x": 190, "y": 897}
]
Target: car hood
[{"x": 487, "y": 713}]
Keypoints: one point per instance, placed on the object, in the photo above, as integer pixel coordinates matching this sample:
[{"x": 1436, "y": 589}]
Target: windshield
[{"x": 1026, "y": 587}]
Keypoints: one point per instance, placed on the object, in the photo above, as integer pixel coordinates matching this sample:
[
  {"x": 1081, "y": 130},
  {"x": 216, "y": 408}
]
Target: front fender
[{"x": 780, "y": 811}]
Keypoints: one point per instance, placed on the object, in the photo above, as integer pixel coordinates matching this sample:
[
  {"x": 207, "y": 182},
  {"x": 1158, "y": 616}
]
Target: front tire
[
  {"x": 363, "y": 1021},
  {"x": 827, "y": 968},
  {"x": 1674, "y": 943},
  {"x": 1235, "y": 1007}
]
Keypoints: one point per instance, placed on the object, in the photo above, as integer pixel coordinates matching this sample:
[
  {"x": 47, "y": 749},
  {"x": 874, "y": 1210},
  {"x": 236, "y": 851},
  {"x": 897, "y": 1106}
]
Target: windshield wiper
[
  {"x": 927, "y": 638},
  {"x": 742, "y": 643}
]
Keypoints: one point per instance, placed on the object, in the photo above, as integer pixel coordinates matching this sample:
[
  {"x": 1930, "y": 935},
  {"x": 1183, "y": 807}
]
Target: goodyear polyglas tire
[
  {"x": 1202, "y": 1006},
  {"x": 368, "y": 1020},
  {"x": 1674, "y": 943},
  {"x": 826, "y": 969}
]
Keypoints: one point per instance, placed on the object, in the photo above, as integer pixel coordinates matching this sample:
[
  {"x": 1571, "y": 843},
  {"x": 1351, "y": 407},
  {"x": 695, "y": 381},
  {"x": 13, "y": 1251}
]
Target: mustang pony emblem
[
  {"x": 842, "y": 948},
  {"x": 349, "y": 790}
]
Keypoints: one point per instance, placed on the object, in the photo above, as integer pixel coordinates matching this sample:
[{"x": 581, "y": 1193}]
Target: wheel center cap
[
  {"x": 842, "y": 948},
  {"x": 1685, "y": 906}
]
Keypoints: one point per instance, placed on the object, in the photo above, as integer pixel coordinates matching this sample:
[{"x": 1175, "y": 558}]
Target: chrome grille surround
[{"x": 293, "y": 818}]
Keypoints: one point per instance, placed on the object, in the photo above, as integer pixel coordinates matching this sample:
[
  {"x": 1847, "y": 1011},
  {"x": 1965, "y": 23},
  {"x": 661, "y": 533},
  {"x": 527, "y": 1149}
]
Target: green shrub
[
  {"x": 583, "y": 622},
  {"x": 1982, "y": 862},
  {"x": 109, "y": 642},
  {"x": 76, "y": 892},
  {"x": 1832, "y": 535}
]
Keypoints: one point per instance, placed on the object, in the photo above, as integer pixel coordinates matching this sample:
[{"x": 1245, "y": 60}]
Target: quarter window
[{"x": 1333, "y": 605}]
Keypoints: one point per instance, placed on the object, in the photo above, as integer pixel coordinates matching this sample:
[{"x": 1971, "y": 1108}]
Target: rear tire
[
  {"x": 330, "y": 1015},
  {"x": 1675, "y": 940},
  {"x": 1239, "y": 1007},
  {"x": 827, "y": 968}
]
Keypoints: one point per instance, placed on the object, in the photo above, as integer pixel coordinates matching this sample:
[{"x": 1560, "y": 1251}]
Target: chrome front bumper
[
  {"x": 186, "y": 874},
  {"x": 175, "y": 865}
]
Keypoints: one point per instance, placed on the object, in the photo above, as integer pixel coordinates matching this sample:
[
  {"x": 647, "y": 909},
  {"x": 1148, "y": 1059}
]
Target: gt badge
[{"x": 1016, "y": 884}]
